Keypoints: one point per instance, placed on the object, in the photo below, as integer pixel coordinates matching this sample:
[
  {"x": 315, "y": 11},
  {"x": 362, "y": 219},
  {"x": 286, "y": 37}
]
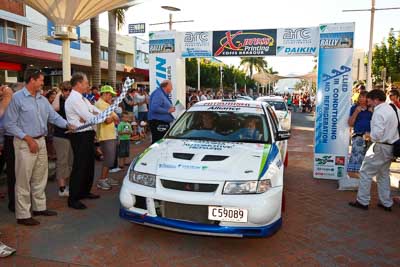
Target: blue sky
[{"x": 264, "y": 14}]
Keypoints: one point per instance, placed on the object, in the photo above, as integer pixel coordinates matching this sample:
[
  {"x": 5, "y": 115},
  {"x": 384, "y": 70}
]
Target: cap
[{"x": 107, "y": 89}]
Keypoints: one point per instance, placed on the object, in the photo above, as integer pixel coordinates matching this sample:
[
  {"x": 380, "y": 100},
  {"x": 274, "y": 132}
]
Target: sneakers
[
  {"x": 5, "y": 251},
  {"x": 103, "y": 185},
  {"x": 115, "y": 170},
  {"x": 112, "y": 181},
  {"x": 64, "y": 193}
]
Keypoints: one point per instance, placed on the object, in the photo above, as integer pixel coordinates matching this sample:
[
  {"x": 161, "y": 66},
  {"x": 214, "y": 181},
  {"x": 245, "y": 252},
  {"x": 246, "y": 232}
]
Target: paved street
[{"x": 319, "y": 229}]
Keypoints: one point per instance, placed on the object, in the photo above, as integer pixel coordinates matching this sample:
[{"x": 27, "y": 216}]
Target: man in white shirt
[
  {"x": 379, "y": 155},
  {"x": 78, "y": 110}
]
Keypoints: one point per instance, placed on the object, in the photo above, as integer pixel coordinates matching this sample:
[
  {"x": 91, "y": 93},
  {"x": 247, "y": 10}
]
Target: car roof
[
  {"x": 275, "y": 98},
  {"x": 229, "y": 105}
]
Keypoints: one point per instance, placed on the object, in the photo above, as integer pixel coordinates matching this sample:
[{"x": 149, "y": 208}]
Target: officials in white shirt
[
  {"x": 79, "y": 110},
  {"x": 380, "y": 154}
]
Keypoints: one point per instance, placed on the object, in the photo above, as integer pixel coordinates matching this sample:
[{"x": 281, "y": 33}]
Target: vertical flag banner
[
  {"x": 164, "y": 62},
  {"x": 333, "y": 100}
]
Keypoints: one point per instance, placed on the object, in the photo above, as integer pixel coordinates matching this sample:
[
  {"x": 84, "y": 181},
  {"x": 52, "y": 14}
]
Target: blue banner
[
  {"x": 50, "y": 31},
  {"x": 333, "y": 100}
]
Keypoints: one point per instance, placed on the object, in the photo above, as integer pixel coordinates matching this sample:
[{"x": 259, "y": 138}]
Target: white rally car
[
  {"x": 218, "y": 171},
  {"x": 281, "y": 110}
]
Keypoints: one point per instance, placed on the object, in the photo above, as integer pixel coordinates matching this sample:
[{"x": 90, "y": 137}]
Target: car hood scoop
[{"x": 214, "y": 158}]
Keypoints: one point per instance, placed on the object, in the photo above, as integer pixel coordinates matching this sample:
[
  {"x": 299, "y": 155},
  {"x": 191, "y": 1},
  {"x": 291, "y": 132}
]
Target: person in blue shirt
[
  {"x": 26, "y": 119},
  {"x": 360, "y": 120},
  {"x": 160, "y": 111},
  {"x": 250, "y": 130}
]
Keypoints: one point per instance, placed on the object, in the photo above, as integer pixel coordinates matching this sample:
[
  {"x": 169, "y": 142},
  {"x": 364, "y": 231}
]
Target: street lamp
[
  {"x": 170, "y": 21},
  {"x": 172, "y": 9}
]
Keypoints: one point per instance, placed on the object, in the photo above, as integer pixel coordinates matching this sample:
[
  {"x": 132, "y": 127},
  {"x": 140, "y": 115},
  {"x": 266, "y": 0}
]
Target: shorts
[
  {"x": 108, "y": 147},
  {"x": 123, "y": 149},
  {"x": 142, "y": 116},
  {"x": 65, "y": 157}
]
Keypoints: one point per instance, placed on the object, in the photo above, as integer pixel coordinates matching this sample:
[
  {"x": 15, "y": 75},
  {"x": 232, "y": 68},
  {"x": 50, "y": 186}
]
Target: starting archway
[{"x": 331, "y": 43}]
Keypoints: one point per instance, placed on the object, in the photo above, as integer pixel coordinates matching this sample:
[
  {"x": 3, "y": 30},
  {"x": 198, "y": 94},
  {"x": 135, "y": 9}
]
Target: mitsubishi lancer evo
[{"x": 218, "y": 171}]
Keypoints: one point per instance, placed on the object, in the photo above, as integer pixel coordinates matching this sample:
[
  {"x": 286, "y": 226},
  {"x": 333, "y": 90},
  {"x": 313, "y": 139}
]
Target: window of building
[
  {"x": 120, "y": 58},
  {"x": 104, "y": 55},
  {"x": 2, "y": 31},
  {"x": 10, "y": 32}
]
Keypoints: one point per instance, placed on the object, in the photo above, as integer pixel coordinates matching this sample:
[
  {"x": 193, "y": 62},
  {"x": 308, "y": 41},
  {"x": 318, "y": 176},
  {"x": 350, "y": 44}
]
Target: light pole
[
  {"x": 371, "y": 35},
  {"x": 170, "y": 21},
  {"x": 221, "y": 71},
  {"x": 198, "y": 74}
]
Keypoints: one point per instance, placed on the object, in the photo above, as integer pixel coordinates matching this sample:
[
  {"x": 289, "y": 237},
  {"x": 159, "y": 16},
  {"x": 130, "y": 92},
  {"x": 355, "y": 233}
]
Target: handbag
[{"x": 396, "y": 145}]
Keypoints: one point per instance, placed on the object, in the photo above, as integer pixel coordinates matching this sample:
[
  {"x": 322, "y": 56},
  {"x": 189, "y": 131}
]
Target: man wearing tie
[{"x": 78, "y": 110}]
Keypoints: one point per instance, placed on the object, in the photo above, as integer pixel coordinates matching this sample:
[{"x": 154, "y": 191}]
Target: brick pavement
[{"x": 319, "y": 229}]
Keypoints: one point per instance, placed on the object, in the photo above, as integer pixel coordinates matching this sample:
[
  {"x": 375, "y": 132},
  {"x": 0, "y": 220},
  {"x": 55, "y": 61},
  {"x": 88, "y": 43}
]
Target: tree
[
  {"x": 210, "y": 75},
  {"x": 112, "y": 48},
  {"x": 386, "y": 55},
  {"x": 116, "y": 19},
  {"x": 253, "y": 64},
  {"x": 95, "y": 50}
]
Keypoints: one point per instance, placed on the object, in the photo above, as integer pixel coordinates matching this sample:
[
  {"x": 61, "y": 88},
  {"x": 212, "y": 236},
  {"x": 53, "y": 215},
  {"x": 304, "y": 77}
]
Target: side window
[{"x": 274, "y": 120}]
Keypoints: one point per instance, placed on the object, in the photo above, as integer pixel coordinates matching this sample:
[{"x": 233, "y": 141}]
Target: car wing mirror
[{"x": 282, "y": 135}]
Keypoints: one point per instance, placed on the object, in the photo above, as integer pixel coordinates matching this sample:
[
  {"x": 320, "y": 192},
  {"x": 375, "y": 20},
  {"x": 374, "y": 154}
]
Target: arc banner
[
  {"x": 297, "y": 41},
  {"x": 333, "y": 100},
  {"x": 244, "y": 43},
  {"x": 197, "y": 44}
]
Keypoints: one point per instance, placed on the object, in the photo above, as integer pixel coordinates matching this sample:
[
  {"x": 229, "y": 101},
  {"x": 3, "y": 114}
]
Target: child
[
  {"x": 124, "y": 133},
  {"x": 142, "y": 129},
  {"x": 135, "y": 133}
]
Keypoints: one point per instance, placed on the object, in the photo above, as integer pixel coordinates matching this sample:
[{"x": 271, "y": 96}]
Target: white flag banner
[{"x": 100, "y": 118}]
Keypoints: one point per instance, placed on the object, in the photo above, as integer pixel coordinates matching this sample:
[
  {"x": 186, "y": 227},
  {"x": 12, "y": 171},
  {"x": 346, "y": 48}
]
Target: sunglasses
[{"x": 67, "y": 90}]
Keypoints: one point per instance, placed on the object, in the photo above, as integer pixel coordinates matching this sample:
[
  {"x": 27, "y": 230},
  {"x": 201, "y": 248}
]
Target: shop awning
[
  {"x": 15, "y": 18},
  {"x": 74, "y": 12}
]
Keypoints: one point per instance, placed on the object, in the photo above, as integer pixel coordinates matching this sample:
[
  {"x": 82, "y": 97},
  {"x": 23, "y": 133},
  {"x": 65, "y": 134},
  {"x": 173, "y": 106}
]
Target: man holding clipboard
[{"x": 160, "y": 111}]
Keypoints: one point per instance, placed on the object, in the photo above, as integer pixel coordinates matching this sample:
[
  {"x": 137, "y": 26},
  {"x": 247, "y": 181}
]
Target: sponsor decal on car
[
  {"x": 208, "y": 145},
  {"x": 182, "y": 166}
]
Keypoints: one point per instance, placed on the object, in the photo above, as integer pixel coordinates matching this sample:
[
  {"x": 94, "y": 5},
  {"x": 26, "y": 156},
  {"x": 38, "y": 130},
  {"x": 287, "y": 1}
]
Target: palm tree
[
  {"x": 116, "y": 19},
  {"x": 95, "y": 50},
  {"x": 271, "y": 71},
  {"x": 251, "y": 64}
]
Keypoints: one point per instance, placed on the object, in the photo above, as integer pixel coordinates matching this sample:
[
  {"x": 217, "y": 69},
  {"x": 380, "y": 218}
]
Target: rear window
[{"x": 278, "y": 105}]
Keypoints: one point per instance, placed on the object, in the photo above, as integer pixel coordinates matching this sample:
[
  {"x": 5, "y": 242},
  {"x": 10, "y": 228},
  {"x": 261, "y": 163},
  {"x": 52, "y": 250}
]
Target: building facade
[{"x": 25, "y": 41}]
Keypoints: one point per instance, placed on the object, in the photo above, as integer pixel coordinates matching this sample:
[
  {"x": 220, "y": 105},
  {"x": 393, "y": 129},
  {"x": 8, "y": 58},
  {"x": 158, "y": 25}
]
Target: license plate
[{"x": 227, "y": 214}]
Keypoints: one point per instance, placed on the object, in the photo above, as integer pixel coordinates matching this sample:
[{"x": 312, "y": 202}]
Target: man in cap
[{"x": 106, "y": 135}]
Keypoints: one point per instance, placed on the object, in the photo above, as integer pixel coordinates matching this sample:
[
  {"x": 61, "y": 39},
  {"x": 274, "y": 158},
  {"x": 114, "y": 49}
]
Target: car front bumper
[
  {"x": 197, "y": 228},
  {"x": 264, "y": 210}
]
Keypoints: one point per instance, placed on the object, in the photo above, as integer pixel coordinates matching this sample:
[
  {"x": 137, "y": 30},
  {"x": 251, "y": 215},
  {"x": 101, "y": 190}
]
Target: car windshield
[
  {"x": 278, "y": 105},
  {"x": 222, "y": 126}
]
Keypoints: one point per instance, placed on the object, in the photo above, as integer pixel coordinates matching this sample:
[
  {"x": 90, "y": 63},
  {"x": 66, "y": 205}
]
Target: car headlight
[
  {"x": 142, "y": 178},
  {"x": 246, "y": 187}
]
